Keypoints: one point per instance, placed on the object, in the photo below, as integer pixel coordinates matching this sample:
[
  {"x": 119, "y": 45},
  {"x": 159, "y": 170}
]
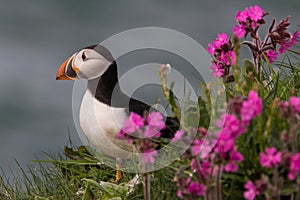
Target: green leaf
[
  {"x": 87, "y": 192},
  {"x": 204, "y": 113}
]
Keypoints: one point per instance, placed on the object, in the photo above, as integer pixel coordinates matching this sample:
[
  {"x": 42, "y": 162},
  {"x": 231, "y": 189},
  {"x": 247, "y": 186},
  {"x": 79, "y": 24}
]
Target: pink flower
[
  {"x": 196, "y": 147},
  {"x": 178, "y": 135},
  {"x": 271, "y": 159},
  {"x": 294, "y": 167},
  {"x": 149, "y": 156},
  {"x": 155, "y": 124},
  {"x": 251, "y": 107},
  {"x": 272, "y": 55},
  {"x": 230, "y": 121},
  {"x": 151, "y": 132},
  {"x": 179, "y": 193},
  {"x": 239, "y": 31},
  {"x": 227, "y": 58},
  {"x": 256, "y": 101},
  {"x": 231, "y": 167},
  {"x": 121, "y": 134},
  {"x": 189, "y": 188},
  {"x": 155, "y": 119},
  {"x": 242, "y": 16},
  {"x": 254, "y": 25},
  {"x": 137, "y": 119},
  {"x": 196, "y": 189},
  {"x": 295, "y": 103},
  {"x": 202, "y": 131},
  {"x": 251, "y": 191},
  {"x": 224, "y": 144},
  {"x": 247, "y": 112},
  {"x": 295, "y": 37},
  {"x": 133, "y": 123},
  {"x": 211, "y": 49},
  {"x": 222, "y": 57},
  {"x": 221, "y": 40},
  {"x": 231, "y": 56},
  {"x": 255, "y": 13},
  {"x": 230, "y": 125},
  {"x": 234, "y": 157},
  {"x": 203, "y": 170},
  {"x": 217, "y": 70},
  {"x": 289, "y": 109},
  {"x": 285, "y": 46}
]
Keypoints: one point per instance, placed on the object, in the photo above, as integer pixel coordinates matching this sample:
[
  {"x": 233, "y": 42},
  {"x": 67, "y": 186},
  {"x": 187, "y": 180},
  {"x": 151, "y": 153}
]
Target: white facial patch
[{"x": 90, "y": 64}]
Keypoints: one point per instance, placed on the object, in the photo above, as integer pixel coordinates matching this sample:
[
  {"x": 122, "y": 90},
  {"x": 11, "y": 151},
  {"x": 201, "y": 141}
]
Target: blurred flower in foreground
[
  {"x": 271, "y": 158},
  {"x": 251, "y": 191},
  {"x": 141, "y": 131}
]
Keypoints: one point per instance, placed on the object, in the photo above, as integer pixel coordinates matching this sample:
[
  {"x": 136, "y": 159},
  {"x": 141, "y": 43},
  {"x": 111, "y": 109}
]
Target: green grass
[{"x": 76, "y": 175}]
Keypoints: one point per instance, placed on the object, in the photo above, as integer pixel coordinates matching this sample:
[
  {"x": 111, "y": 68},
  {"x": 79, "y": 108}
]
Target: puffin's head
[{"x": 89, "y": 63}]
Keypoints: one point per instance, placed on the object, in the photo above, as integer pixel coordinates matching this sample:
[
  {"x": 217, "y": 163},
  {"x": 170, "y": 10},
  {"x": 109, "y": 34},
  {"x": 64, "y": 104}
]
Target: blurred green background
[{"x": 36, "y": 37}]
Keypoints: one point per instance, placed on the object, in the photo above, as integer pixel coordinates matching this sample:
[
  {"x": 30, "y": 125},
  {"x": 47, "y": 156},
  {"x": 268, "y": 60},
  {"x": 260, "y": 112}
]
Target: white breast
[{"x": 101, "y": 125}]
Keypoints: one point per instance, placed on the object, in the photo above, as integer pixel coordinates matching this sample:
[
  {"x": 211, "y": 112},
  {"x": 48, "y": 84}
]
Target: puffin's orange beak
[{"x": 61, "y": 73}]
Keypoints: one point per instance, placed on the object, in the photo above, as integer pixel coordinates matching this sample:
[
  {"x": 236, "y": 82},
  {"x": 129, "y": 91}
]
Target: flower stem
[
  {"x": 293, "y": 134},
  {"x": 218, "y": 183},
  {"x": 259, "y": 68},
  {"x": 298, "y": 192},
  {"x": 237, "y": 47},
  {"x": 146, "y": 183},
  {"x": 275, "y": 178}
]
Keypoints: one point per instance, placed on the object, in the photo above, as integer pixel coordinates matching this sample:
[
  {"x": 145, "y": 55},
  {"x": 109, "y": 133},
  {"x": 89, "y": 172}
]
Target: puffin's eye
[{"x": 83, "y": 56}]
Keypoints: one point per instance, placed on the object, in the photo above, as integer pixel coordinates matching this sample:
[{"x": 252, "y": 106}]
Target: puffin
[{"x": 104, "y": 107}]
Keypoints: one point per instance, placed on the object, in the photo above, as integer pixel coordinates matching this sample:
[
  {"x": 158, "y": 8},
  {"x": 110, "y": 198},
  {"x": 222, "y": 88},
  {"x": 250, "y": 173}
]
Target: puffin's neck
[{"x": 103, "y": 87}]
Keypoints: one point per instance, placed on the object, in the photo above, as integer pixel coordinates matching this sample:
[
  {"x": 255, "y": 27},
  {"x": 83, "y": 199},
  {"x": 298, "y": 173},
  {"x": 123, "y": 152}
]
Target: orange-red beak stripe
[{"x": 61, "y": 73}]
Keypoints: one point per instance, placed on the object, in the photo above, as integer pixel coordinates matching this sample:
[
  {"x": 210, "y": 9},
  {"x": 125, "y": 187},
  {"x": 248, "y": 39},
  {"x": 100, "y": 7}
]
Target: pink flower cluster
[
  {"x": 289, "y": 109},
  {"x": 251, "y": 107},
  {"x": 281, "y": 36},
  {"x": 242, "y": 110},
  {"x": 223, "y": 53},
  {"x": 272, "y": 158},
  {"x": 225, "y": 147},
  {"x": 131, "y": 125},
  {"x": 232, "y": 128},
  {"x": 155, "y": 124},
  {"x": 142, "y": 131},
  {"x": 225, "y": 150},
  {"x": 190, "y": 189},
  {"x": 248, "y": 19},
  {"x": 202, "y": 168}
]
